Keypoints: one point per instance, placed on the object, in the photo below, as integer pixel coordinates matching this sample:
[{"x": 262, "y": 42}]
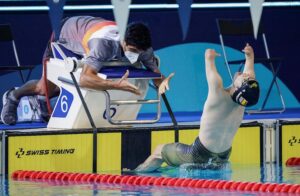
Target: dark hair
[
  {"x": 247, "y": 94},
  {"x": 138, "y": 34}
]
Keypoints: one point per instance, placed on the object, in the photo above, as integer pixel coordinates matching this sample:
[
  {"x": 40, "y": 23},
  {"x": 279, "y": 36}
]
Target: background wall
[{"x": 184, "y": 57}]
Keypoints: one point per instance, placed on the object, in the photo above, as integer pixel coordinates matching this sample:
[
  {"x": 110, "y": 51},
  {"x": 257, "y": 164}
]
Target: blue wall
[{"x": 32, "y": 30}]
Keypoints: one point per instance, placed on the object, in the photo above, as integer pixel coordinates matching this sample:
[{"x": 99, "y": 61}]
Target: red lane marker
[
  {"x": 39, "y": 176},
  {"x": 91, "y": 178},
  {"x": 157, "y": 181},
  {"x": 227, "y": 185},
  {"x": 263, "y": 188},
  {"x": 131, "y": 180},
  {"x": 179, "y": 181},
  {"x": 144, "y": 181},
  {"x": 34, "y": 175},
  {"x": 59, "y": 176},
  {"x": 15, "y": 175},
  {"x": 235, "y": 185},
  {"x": 151, "y": 181},
  {"x": 293, "y": 161},
  {"x": 285, "y": 188},
  {"x": 206, "y": 183},
  {"x": 256, "y": 186},
  {"x": 138, "y": 180},
  {"x": 171, "y": 181},
  {"x": 111, "y": 179},
  {"x": 63, "y": 177},
  {"x": 199, "y": 183},
  {"x": 271, "y": 187},
  {"x": 192, "y": 183},
  {"x": 104, "y": 178},
  {"x": 117, "y": 180},
  {"x": 220, "y": 184},
  {"x": 77, "y": 178},
  {"x": 46, "y": 175},
  {"x": 293, "y": 188},
  {"x": 298, "y": 190},
  {"x": 186, "y": 182}
]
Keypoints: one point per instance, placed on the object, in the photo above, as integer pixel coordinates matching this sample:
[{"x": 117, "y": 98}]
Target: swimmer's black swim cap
[{"x": 247, "y": 94}]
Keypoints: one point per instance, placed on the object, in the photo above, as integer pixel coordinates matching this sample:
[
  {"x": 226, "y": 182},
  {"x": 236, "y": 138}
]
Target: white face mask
[{"x": 131, "y": 56}]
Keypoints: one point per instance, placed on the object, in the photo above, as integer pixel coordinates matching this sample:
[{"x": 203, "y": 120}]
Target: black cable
[
  {"x": 91, "y": 122},
  {"x": 172, "y": 116}
]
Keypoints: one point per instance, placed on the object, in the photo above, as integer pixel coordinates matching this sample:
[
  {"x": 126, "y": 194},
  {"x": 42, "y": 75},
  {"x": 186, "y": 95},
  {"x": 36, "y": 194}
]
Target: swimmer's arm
[
  {"x": 213, "y": 77},
  {"x": 249, "y": 63},
  {"x": 153, "y": 162}
]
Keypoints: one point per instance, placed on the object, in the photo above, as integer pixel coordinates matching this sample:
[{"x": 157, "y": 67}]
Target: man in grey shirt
[{"x": 98, "y": 41}]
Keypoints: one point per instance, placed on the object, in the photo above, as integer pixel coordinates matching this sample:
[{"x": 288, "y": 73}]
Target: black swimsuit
[{"x": 176, "y": 154}]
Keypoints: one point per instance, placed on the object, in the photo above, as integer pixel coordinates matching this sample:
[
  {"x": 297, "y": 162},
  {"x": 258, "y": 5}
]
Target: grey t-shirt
[{"x": 103, "y": 44}]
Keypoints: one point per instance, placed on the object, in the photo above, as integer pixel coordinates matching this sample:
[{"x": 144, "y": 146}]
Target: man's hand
[
  {"x": 211, "y": 54},
  {"x": 248, "y": 50},
  {"x": 124, "y": 85},
  {"x": 165, "y": 84}
]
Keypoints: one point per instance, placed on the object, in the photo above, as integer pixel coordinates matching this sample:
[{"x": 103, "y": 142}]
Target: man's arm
[
  {"x": 249, "y": 63},
  {"x": 213, "y": 78},
  {"x": 90, "y": 79},
  {"x": 151, "y": 62}
]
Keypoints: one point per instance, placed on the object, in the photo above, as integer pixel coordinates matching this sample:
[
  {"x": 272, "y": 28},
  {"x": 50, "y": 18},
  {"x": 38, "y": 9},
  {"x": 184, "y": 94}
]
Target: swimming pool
[{"x": 232, "y": 172}]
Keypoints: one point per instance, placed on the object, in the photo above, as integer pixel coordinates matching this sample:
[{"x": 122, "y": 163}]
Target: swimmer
[{"x": 222, "y": 115}]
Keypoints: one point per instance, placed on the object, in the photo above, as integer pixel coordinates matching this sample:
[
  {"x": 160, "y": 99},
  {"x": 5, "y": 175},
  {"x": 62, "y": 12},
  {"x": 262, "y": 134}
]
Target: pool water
[{"x": 250, "y": 173}]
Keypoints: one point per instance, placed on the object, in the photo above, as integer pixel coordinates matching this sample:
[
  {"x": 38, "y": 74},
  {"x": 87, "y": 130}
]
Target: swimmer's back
[{"x": 219, "y": 122}]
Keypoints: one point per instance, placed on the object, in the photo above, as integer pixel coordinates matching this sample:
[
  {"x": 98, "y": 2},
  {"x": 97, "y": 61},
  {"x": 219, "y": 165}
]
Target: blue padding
[
  {"x": 29, "y": 125},
  {"x": 114, "y": 72},
  {"x": 180, "y": 117},
  {"x": 293, "y": 113},
  {"x": 57, "y": 54}
]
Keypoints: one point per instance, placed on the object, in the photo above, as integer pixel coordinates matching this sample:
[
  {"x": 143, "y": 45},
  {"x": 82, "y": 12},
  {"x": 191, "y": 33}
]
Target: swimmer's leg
[
  {"x": 175, "y": 154},
  {"x": 153, "y": 162}
]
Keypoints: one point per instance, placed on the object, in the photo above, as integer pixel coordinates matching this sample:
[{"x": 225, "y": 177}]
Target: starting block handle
[
  {"x": 110, "y": 102},
  {"x": 140, "y": 101},
  {"x": 130, "y": 122}
]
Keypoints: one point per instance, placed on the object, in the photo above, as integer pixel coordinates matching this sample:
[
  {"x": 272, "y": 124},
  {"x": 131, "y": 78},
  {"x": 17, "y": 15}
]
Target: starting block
[{"x": 107, "y": 107}]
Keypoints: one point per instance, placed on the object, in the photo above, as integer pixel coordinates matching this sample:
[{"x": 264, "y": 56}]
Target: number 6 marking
[{"x": 63, "y": 104}]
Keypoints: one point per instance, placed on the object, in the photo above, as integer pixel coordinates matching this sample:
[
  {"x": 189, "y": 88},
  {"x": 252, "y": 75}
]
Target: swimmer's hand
[
  {"x": 211, "y": 54},
  {"x": 248, "y": 50},
  {"x": 124, "y": 85},
  {"x": 165, "y": 84}
]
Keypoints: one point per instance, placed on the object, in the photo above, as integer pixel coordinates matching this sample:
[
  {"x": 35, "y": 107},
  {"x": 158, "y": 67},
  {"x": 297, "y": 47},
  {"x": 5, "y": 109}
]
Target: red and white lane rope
[
  {"x": 156, "y": 181},
  {"x": 293, "y": 161}
]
